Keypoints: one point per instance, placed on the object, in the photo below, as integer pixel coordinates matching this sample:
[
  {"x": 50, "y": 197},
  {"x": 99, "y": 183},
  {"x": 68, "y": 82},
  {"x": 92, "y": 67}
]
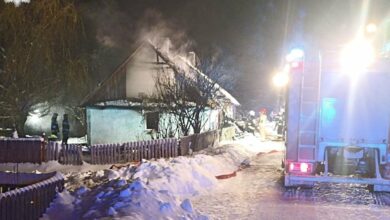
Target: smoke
[
  {"x": 166, "y": 35},
  {"x": 122, "y": 26},
  {"x": 170, "y": 38}
]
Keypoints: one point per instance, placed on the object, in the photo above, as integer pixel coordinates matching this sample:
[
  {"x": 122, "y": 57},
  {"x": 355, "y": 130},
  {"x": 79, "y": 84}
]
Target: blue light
[
  {"x": 295, "y": 54},
  {"x": 328, "y": 111}
]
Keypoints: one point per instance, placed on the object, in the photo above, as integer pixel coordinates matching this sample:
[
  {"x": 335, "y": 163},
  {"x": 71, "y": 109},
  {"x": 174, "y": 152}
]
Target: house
[{"x": 118, "y": 109}]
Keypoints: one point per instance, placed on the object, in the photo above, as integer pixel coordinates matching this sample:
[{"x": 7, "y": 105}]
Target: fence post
[
  {"x": 80, "y": 156},
  {"x": 48, "y": 150},
  {"x": 176, "y": 147},
  {"x": 112, "y": 151},
  {"x": 152, "y": 149},
  {"x": 119, "y": 152},
  {"x": 71, "y": 149},
  {"x": 99, "y": 149},
  {"x": 109, "y": 153},
  {"x": 131, "y": 152},
  {"x": 169, "y": 148},
  {"x": 112, "y": 147},
  {"x": 163, "y": 146},
  {"x": 95, "y": 154},
  {"x": 56, "y": 152},
  {"x": 64, "y": 154},
  {"x": 128, "y": 154},
  {"x": 98, "y": 154},
  {"x": 103, "y": 154},
  {"x": 135, "y": 152},
  {"x": 141, "y": 149},
  {"x": 147, "y": 149},
  {"x": 124, "y": 153},
  {"x": 173, "y": 147},
  {"x": 144, "y": 152},
  {"x": 92, "y": 158},
  {"x": 74, "y": 154},
  {"x": 138, "y": 148}
]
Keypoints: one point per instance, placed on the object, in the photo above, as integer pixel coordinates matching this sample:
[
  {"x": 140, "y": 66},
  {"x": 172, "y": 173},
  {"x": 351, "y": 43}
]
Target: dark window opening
[{"x": 152, "y": 119}]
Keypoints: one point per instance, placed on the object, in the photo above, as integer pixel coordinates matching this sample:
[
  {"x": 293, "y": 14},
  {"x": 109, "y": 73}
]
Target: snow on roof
[
  {"x": 170, "y": 61},
  {"x": 220, "y": 89}
]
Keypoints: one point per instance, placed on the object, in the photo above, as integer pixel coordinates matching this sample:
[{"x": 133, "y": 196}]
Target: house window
[{"x": 152, "y": 119}]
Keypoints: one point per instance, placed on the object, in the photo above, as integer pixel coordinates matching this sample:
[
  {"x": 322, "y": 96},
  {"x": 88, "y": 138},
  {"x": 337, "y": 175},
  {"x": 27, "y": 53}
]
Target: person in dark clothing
[
  {"x": 54, "y": 127},
  {"x": 65, "y": 129}
]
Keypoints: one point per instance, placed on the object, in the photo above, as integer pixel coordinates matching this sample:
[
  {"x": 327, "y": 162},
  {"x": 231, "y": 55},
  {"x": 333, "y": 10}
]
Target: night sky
[{"x": 250, "y": 36}]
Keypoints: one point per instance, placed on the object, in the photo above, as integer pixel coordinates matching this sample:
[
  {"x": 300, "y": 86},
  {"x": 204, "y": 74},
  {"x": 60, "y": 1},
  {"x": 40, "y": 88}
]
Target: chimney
[
  {"x": 192, "y": 58},
  {"x": 166, "y": 47}
]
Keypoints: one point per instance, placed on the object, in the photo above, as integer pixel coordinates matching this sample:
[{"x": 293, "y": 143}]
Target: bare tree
[
  {"x": 41, "y": 60},
  {"x": 187, "y": 94}
]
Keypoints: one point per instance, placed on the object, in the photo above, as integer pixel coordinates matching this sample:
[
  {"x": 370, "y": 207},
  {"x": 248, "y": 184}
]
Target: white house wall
[
  {"x": 112, "y": 125},
  {"x": 116, "y": 125},
  {"x": 210, "y": 119}
]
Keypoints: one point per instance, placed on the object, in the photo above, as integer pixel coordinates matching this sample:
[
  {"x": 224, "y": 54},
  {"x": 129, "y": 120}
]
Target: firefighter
[
  {"x": 65, "y": 129},
  {"x": 262, "y": 123},
  {"x": 54, "y": 127},
  {"x": 280, "y": 125}
]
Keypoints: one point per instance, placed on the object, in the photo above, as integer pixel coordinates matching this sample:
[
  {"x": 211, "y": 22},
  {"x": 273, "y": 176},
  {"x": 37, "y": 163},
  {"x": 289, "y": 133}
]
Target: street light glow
[
  {"x": 371, "y": 28},
  {"x": 34, "y": 119},
  {"x": 280, "y": 79}
]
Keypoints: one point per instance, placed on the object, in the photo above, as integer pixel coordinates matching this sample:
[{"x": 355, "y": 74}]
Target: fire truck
[{"x": 338, "y": 118}]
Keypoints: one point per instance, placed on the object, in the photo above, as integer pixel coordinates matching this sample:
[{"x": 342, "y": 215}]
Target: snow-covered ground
[{"x": 160, "y": 189}]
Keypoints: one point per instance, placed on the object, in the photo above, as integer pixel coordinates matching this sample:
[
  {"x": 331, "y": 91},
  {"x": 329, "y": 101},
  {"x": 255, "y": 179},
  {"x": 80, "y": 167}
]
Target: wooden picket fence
[
  {"x": 21, "y": 150},
  {"x": 52, "y": 151},
  {"x": 65, "y": 154},
  {"x": 134, "y": 151},
  {"x": 30, "y": 201}
]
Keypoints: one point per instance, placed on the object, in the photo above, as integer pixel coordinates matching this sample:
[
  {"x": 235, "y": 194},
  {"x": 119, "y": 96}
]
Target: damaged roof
[{"x": 114, "y": 86}]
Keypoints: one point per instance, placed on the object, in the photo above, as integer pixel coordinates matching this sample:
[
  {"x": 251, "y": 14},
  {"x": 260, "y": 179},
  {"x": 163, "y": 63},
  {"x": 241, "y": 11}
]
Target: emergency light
[
  {"x": 357, "y": 56},
  {"x": 296, "y": 59},
  {"x": 295, "y": 54}
]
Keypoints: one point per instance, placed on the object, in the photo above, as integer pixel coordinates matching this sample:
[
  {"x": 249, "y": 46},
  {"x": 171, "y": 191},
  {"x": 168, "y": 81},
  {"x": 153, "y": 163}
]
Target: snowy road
[{"x": 257, "y": 193}]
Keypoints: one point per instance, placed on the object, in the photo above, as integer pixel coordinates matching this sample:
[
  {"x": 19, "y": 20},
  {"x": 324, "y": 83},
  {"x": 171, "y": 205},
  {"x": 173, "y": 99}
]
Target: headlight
[{"x": 357, "y": 56}]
